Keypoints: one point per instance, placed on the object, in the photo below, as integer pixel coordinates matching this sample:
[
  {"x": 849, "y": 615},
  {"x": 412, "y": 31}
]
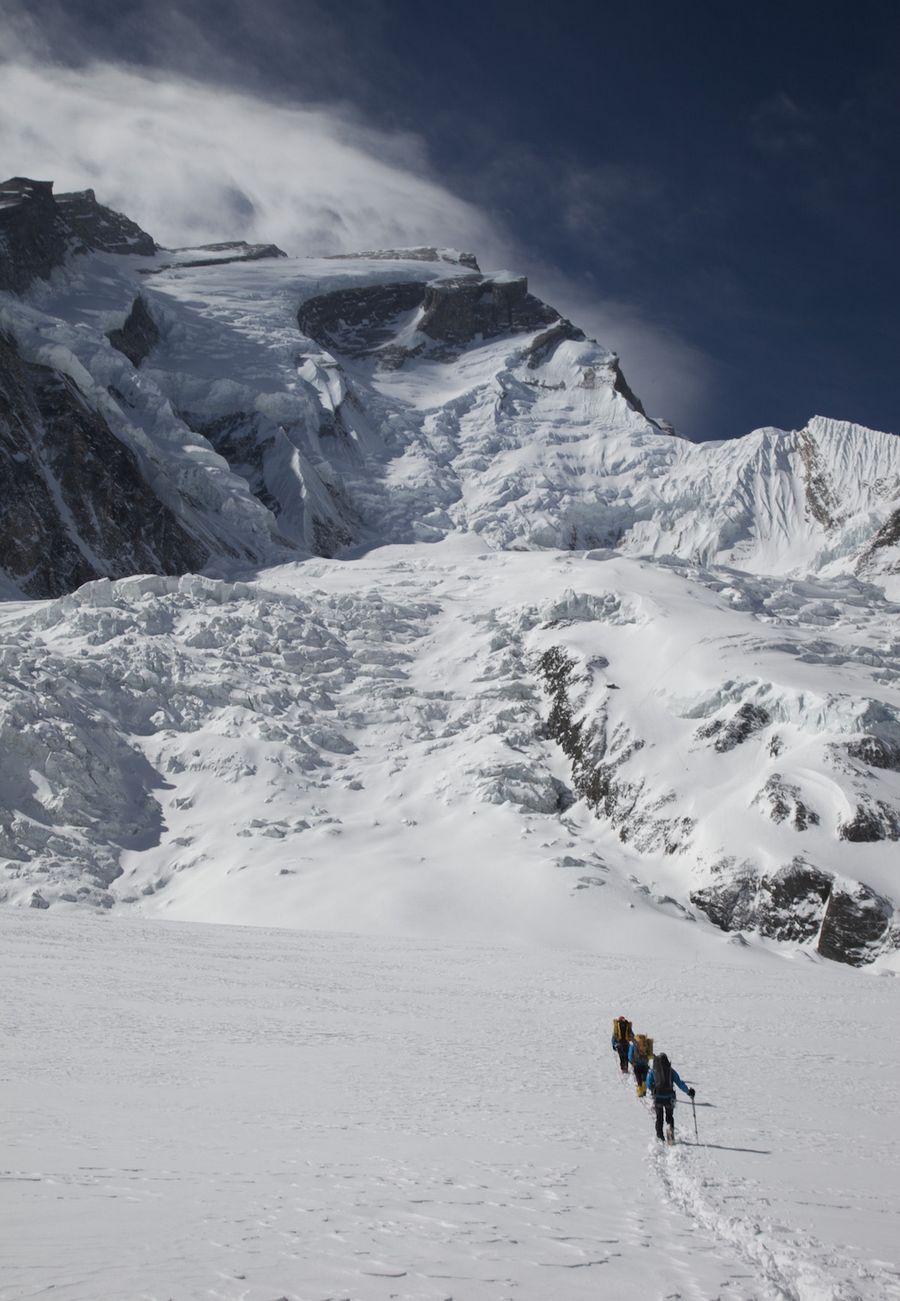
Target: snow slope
[
  {"x": 497, "y": 710},
  {"x": 366, "y": 744},
  {"x": 559, "y": 653},
  {"x": 204, "y": 1112},
  {"x": 532, "y": 443},
  {"x": 387, "y": 414}
]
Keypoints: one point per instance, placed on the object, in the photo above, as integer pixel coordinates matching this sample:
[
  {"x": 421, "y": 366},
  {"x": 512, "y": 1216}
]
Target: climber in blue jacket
[
  {"x": 637, "y": 1056},
  {"x": 661, "y": 1083}
]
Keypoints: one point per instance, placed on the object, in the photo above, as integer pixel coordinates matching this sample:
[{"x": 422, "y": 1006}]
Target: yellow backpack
[{"x": 643, "y": 1047}]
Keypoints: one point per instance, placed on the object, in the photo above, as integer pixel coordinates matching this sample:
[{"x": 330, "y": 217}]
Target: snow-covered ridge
[
  {"x": 402, "y": 396},
  {"x": 683, "y": 697}
]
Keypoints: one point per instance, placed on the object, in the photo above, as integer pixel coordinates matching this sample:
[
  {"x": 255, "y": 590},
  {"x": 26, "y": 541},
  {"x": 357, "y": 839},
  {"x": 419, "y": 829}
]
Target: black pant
[
  {"x": 622, "y": 1050},
  {"x": 666, "y": 1105},
  {"x": 640, "y": 1072}
]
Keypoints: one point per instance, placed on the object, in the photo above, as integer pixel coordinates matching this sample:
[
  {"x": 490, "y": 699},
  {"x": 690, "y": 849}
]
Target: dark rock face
[
  {"x": 546, "y": 344},
  {"x": 799, "y": 903},
  {"x": 820, "y": 499},
  {"x": 783, "y": 802},
  {"x": 730, "y": 902},
  {"x": 596, "y": 760},
  {"x": 38, "y": 231},
  {"x": 100, "y": 229},
  {"x": 872, "y": 821},
  {"x": 856, "y": 925},
  {"x": 790, "y": 902},
  {"x": 236, "y": 437},
  {"x": 887, "y": 536},
  {"x": 454, "y": 314},
  {"x": 34, "y": 239},
  {"x": 233, "y": 251},
  {"x": 622, "y": 386},
  {"x": 457, "y": 311},
  {"x": 74, "y": 504},
  {"x": 747, "y": 719},
  {"x": 875, "y": 752},
  {"x": 138, "y": 336},
  {"x": 357, "y": 320}
]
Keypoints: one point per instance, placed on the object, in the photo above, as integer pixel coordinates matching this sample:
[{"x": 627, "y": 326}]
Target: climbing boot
[
  {"x": 670, "y": 1133},
  {"x": 641, "y": 1090}
]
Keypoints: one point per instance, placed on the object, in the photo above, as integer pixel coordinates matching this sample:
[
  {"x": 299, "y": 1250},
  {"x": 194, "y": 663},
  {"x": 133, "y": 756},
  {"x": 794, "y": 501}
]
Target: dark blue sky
[{"x": 730, "y": 170}]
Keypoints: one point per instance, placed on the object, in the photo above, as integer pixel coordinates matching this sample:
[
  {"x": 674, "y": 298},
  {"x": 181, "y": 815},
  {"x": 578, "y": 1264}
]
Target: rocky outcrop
[
  {"x": 458, "y": 311},
  {"x": 454, "y": 314},
  {"x": 888, "y": 536},
  {"x": 138, "y": 336},
  {"x": 547, "y": 342},
  {"x": 597, "y": 759},
  {"x": 622, "y": 387},
  {"x": 872, "y": 820},
  {"x": 730, "y": 900},
  {"x": 38, "y": 231},
  {"x": 856, "y": 926},
  {"x": 801, "y": 904},
  {"x": 875, "y": 752},
  {"x": 748, "y": 718},
  {"x": 782, "y": 801},
  {"x": 356, "y": 321},
  {"x": 34, "y": 239},
  {"x": 237, "y": 250},
  {"x": 820, "y": 498},
  {"x": 790, "y": 902},
  {"x": 74, "y": 502},
  {"x": 96, "y": 228}
]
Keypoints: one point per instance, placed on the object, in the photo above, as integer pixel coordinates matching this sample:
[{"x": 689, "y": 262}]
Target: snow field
[
  {"x": 206, "y": 1112},
  {"x": 362, "y": 744}
]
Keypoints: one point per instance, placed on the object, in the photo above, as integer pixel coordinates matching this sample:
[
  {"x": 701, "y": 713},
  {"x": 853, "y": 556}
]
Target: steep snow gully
[{"x": 356, "y": 602}]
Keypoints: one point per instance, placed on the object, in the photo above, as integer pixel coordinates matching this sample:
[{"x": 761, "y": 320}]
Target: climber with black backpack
[
  {"x": 621, "y": 1039},
  {"x": 661, "y": 1084}
]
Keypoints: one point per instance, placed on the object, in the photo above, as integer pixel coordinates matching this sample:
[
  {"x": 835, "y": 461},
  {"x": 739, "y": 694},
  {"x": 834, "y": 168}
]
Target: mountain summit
[{"x": 388, "y": 532}]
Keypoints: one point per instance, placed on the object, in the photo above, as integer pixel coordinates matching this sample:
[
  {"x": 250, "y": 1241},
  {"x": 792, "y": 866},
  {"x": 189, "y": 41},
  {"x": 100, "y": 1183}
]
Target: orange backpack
[{"x": 643, "y": 1047}]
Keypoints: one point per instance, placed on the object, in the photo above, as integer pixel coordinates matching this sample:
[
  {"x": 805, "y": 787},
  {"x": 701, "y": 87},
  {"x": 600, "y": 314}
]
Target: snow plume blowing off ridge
[{"x": 193, "y": 162}]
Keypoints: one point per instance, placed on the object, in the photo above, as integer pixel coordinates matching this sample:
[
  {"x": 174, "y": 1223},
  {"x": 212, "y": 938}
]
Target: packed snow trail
[{"x": 208, "y": 1112}]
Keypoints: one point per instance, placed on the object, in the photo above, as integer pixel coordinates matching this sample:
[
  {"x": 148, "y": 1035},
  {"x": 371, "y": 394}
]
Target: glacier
[
  {"x": 686, "y": 653},
  {"x": 355, "y": 608}
]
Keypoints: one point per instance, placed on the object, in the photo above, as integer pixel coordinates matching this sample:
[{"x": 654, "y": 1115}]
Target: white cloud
[{"x": 193, "y": 163}]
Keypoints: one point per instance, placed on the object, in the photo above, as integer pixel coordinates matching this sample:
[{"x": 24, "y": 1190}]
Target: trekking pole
[{"x": 694, "y": 1109}]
